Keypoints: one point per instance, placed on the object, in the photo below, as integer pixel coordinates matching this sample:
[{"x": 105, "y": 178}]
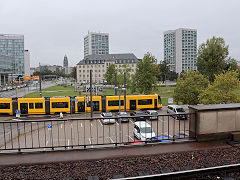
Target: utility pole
[
  {"x": 120, "y": 121},
  {"x": 119, "y": 89},
  {"x": 91, "y": 93},
  {"x": 125, "y": 91},
  {"x": 12, "y": 79},
  {"x": 40, "y": 81},
  {"x": 115, "y": 83}
]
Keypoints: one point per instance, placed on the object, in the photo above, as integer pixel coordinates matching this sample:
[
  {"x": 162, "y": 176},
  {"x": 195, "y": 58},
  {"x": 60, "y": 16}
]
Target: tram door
[
  {"x": 24, "y": 108},
  {"x": 95, "y": 105},
  {"x": 155, "y": 102},
  {"x": 81, "y": 106},
  {"x": 132, "y": 104}
]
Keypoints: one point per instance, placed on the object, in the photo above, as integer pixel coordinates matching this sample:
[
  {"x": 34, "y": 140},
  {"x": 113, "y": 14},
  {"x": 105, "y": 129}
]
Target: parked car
[
  {"x": 139, "y": 115},
  {"x": 162, "y": 138},
  {"x": 9, "y": 88},
  {"x": 122, "y": 116},
  {"x": 153, "y": 114},
  {"x": 135, "y": 142},
  {"x": 143, "y": 131},
  {"x": 181, "y": 136},
  {"x": 109, "y": 118},
  {"x": 18, "y": 87},
  {"x": 177, "y": 112},
  {"x": 4, "y": 89}
]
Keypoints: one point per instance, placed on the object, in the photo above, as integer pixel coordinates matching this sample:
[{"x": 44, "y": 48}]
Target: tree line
[{"x": 215, "y": 81}]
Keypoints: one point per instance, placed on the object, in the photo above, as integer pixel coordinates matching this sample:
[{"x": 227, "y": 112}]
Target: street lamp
[{"x": 119, "y": 103}]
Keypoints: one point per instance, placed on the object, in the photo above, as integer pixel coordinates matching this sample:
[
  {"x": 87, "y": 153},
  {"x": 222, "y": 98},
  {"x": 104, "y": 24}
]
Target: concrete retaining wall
[{"x": 213, "y": 122}]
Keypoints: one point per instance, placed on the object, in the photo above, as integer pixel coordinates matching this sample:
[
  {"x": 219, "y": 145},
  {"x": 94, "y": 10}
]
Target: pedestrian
[{"x": 61, "y": 115}]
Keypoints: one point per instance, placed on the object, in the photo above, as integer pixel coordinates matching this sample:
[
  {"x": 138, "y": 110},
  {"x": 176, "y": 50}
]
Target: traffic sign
[
  {"x": 27, "y": 77},
  {"x": 76, "y": 100},
  {"x": 170, "y": 100},
  {"x": 49, "y": 126},
  {"x": 35, "y": 77},
  {"x": 17, "y": 113}
]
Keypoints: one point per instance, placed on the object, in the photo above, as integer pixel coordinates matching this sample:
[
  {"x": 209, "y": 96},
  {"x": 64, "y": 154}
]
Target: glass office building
[
  {"x": 180, "y": 49},
  {"x": 96, "y": 43},
  {"x": 12, "y": 46}
]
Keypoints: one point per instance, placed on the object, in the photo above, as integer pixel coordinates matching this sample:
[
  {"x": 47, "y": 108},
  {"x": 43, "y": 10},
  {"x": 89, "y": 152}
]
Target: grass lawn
[
  {"x": 56, "y": 88},
  {"x": 50, "y": 94}
]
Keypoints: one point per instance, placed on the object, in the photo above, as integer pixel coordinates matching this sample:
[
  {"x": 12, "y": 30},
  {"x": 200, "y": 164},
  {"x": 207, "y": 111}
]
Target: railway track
[{"x": 226, "y": 172}]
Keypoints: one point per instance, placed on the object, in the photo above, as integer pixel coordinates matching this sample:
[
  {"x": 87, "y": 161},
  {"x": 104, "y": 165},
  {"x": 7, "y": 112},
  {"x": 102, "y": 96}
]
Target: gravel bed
[{"x": 127, "y": 166}]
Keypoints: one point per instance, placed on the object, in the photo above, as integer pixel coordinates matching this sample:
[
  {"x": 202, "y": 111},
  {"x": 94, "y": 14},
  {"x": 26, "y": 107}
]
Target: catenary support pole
[
  {"x": 115, "y": 84},
  {"x": 91, "y": 93},
  {"x": 125, "y": 91},
  {"x": 40, "y": 81}
]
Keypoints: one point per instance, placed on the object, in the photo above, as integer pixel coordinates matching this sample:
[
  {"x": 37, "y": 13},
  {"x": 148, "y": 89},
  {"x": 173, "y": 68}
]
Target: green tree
[
  {"x": 163, "y": 70},
  {"x": 171, "y": 75},
  {"x": 222, "y": 90},
  {"x": 120, "y": 75},
  {"x": 144, "y": 80},
  {"x": 74, "y": 72},
  {"x": 231, "y": 64},
  {"x": 110, "y": 74},
  {"x": 189, "y": 85},
  {"x": 211, "y": 57}
]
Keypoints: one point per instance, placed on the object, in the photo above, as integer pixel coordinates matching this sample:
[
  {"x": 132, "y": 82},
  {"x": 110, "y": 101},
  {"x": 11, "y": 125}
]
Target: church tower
[{"x": 65, "y": 61}]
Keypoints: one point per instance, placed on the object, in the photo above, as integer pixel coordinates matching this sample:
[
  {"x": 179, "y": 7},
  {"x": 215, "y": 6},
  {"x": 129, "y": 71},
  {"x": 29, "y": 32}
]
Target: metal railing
[{"x": 60, "y": 134}]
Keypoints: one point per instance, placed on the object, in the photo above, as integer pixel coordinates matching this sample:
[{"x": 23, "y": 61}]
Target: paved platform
[{"x": 107, "y": 153}]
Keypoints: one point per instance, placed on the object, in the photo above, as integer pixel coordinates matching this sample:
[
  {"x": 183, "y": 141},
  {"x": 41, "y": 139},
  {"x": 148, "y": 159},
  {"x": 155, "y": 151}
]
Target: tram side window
[
  {"x": 145, "y": 102},
  {"x": 95, "y": 103},
  {"x": 31, "y": 106},
  {"x": 38, "y": 105},
  {"x": 115, "y": 103},
  {"x": 60, "y": 105},
  {"x": 4, "y": 105}
]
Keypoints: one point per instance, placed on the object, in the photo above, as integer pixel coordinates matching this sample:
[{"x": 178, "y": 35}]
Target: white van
[
  {"x": 143, "y": 131},
  {"x": 177, "y": 112}
]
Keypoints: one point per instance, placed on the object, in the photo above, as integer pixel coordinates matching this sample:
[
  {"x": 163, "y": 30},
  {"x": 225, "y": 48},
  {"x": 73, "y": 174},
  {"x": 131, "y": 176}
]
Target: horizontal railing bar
[{"x": 94, "y": 118}]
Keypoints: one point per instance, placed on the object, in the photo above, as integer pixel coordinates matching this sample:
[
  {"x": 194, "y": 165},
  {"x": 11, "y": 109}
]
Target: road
[{"x": 26, "y": 90}]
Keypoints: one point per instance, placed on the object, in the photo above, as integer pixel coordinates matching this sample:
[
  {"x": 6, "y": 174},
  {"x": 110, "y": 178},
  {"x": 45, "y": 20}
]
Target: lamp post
[
  {"x": 120, "y": 122},
  {"x": 40, "y": 81}
]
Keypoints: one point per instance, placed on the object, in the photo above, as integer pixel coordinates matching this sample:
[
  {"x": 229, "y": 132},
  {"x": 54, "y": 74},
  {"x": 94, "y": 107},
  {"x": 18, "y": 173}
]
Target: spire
[{"x": 65, "y": 61}]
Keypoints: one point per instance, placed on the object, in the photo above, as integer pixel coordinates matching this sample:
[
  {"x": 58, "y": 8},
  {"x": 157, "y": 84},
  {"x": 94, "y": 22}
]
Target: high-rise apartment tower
[
  {"x": 96, "y": 43},
  {"x": 180, "y": 49},
  {"x": 12, "y": 46}
]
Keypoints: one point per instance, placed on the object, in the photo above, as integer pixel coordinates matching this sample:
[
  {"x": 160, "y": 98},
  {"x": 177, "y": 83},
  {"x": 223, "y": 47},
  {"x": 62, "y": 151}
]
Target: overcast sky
[{"x": 53, "y": 28}]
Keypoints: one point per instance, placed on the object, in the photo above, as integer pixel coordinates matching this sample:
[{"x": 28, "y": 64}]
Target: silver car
[
  {"x": 122, "y": 116},
  {"x": 177, "y": 112},
  {"x": 153, "y": 114},
  {"x": 107, "y": 118}
]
